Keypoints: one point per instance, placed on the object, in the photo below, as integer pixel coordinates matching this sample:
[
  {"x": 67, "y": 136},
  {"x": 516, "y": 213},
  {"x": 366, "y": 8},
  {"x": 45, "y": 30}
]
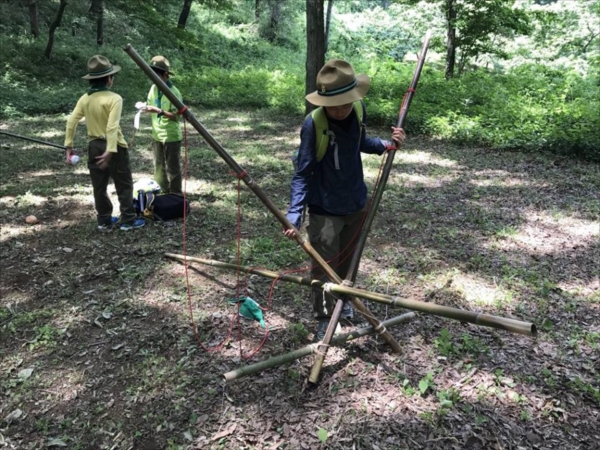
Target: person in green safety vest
[{"x": 166, "y": 130}]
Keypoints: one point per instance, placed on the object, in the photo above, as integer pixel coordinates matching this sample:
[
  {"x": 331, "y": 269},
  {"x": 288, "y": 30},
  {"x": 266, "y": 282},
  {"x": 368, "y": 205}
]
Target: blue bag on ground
[{"x": 163, "y": 207}]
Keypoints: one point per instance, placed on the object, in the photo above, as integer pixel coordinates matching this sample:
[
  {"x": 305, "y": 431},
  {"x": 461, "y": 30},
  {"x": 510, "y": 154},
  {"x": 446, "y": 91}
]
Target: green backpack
[{"x": 322, "y": 133}]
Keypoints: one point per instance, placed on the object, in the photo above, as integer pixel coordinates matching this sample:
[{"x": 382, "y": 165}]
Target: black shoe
[{"x": 322, "y": 328}]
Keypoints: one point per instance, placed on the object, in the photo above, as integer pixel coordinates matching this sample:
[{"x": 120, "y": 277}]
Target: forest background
[
  {"x": 492, "y": 207},
  {"x": 525, "y": 75}
]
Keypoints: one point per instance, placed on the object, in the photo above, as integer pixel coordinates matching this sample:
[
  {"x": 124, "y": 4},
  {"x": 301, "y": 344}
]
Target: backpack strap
[
  {"x": 322, "y": 133},
  {"x": 148, "y": 210}
]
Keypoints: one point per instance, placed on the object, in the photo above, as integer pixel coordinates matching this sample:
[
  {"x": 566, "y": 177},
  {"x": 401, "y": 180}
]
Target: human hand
[
  {"x": 290, "y": 233},
  {"x": 68, "y": 153},
  {"x": 398, "y": 136},
  {"x": 152, "y": 109},
  {"x": 103, "y": 160}
]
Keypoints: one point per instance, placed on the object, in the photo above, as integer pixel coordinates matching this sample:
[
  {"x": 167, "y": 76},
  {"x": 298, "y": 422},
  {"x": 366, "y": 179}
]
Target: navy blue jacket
[{"x": 336, "y": 183}]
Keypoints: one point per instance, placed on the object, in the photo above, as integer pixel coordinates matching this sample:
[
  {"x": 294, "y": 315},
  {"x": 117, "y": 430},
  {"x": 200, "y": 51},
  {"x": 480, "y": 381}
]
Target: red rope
[
  {"x": 185, "y": 262},
  {"x": 239, "y": 265}
]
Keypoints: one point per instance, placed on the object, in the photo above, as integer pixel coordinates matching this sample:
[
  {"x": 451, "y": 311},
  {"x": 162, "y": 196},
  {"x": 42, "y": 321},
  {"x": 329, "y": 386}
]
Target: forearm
[{"x": 72, "y": 122}]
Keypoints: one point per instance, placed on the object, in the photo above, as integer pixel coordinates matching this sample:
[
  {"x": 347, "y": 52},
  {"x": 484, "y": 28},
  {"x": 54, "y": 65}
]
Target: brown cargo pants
[
  {"x": 334, "y": 238},
  {"x": 120, "y": 171},
  {"x": 167, "y": 168}
]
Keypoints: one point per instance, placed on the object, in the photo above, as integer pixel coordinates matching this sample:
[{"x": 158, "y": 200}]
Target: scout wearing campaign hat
[
  {"x": 99, "y": 66},
  {"x": 160, "y": 63},
  {"x": 338, "y": 85}
]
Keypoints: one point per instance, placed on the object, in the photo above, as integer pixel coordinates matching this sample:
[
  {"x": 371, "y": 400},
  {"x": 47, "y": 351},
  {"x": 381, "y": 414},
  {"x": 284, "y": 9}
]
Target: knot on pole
[
  {"x": 182, "y": 110},
  {"x": 380, "y": 329},
  {"x": 318, "y": 350},
  {"x": 241, "y": 175},
  {"x": 327, "y": 287}
]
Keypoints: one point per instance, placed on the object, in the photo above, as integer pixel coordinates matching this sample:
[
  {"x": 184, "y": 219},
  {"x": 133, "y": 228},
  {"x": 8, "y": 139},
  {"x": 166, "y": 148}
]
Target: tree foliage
[{"x": 536, "y": 92}]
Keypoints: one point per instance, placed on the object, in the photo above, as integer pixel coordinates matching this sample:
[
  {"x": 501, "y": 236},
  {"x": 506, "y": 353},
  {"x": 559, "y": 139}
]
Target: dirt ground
[{"x": 97, "y": 350}]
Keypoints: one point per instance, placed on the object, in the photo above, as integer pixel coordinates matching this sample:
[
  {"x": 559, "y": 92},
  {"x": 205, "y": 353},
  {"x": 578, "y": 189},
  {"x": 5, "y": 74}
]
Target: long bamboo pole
[
  {"x": 245, "y": 177},
  {"x": 39, "y": 141},
  {"x": 482, "y": 319},
  {"x": 362, "y": 239},
  {"x": 338, "y": 340}
]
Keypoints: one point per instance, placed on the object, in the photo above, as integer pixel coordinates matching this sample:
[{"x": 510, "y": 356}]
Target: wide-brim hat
[
  {"x": 160, "y": 63},
  {"x": 338, "y": 85},
  {"x": 99, "y": 66}
]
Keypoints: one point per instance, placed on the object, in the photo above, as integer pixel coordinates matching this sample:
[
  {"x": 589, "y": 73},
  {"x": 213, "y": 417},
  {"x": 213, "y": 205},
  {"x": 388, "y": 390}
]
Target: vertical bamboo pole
[
  {"x": 245, "y": 177},
  {"x": 362, "y": 239}
]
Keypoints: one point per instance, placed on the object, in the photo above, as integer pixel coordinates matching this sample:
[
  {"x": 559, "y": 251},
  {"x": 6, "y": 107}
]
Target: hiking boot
[
  {"x": 108, "y": 226},
  {"x": 347, "y": 312},
  {"x": 322, "y": 328},
  {"x": 135, "y": 224}
]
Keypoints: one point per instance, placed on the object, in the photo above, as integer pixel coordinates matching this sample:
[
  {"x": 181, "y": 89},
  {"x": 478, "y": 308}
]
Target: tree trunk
[
  {"x": 315, "y": 48},
  {"x": 450, "y": 39},
  {"x": 274, "y": 20},
  {"x": 100, "y": 28},
  {"x": 328, "y": 24},
  {"x": 33, "y": 17},
  {"x": 97, "y": 12},
  {"x": 257, "y": 10},
  {"x": 185, "y": 12},
  {"x": 53, "y": 27}
]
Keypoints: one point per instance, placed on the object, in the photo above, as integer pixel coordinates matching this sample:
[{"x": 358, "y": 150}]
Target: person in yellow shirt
[{"x": 108, "y": 156}]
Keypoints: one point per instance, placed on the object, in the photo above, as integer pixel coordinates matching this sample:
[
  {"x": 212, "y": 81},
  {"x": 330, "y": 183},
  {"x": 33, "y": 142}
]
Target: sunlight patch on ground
[
  {"x": 56, "y": 136},
  {"x": 13, "y": 231},
  {"x": 413, "y": 180},
  {"x": 504, "y": 181},
  {"x": 542, "y": 233},
  {"x": 30, "y": 199},
  {"x": 418, "y": 157},
  {"x": 478, "y": 291},
  {"x": 41, "y": 173}
]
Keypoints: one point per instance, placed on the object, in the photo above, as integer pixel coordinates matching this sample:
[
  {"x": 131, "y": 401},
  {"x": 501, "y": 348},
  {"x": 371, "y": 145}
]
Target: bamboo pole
[
  {"x": 245, "y": 177},
  {"x": 338, "y": 340},
  {"x": 482, "y": 319},
  {"x": 362, "y": 239},
  {"x": 39, "y": 141}
]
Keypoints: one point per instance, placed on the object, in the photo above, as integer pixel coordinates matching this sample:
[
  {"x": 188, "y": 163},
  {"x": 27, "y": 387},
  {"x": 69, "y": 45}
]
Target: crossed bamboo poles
[
  {"x": 362, "y": 239},
  {"x": 337, "y": 283},
  {"x": 245, "y": 177},
  {"x": 481, "y": 319}
]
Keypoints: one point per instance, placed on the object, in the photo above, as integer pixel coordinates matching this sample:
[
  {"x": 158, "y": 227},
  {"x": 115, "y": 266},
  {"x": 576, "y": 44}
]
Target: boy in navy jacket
[{"x": 332, "y": 185}]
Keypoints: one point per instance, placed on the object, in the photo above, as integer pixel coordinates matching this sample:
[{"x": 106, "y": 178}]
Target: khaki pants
[
  {"x": 334, "y": 238},
  {"x": 167, "y": 169},
  {"x": 120, "y": 171}
]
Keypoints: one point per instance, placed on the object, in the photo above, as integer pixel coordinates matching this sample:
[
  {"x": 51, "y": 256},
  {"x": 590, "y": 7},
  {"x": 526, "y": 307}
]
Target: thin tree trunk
[
  {"x": 53, "y": 27},
  {"x": 315, "y": 48},
  {"x": 257, "y": 10},
  {"x": 274, "y": 21},
  {"x": 185, "y": 12},
  {"x": 33, "y": 17},
  {"x": 450, "y": 39},
  {"x": 100, "y": 28},
  {"x": 97, "y": 12},
  {"x": 328, "y": 24}
]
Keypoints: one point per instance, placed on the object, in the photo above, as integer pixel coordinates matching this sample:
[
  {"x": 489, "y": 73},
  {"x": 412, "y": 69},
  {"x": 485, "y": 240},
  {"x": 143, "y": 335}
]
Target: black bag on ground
[{"x": 163, "y": 207}]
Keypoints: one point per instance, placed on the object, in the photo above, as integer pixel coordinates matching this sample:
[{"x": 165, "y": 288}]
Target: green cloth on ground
[{"x": 249, "y": 309}]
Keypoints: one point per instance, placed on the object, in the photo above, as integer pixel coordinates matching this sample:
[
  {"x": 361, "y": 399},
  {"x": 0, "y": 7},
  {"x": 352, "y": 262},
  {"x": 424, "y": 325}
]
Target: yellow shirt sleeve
[
  {"x": 112, "y": 126},
  {"x": 77, "y": 114}
]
